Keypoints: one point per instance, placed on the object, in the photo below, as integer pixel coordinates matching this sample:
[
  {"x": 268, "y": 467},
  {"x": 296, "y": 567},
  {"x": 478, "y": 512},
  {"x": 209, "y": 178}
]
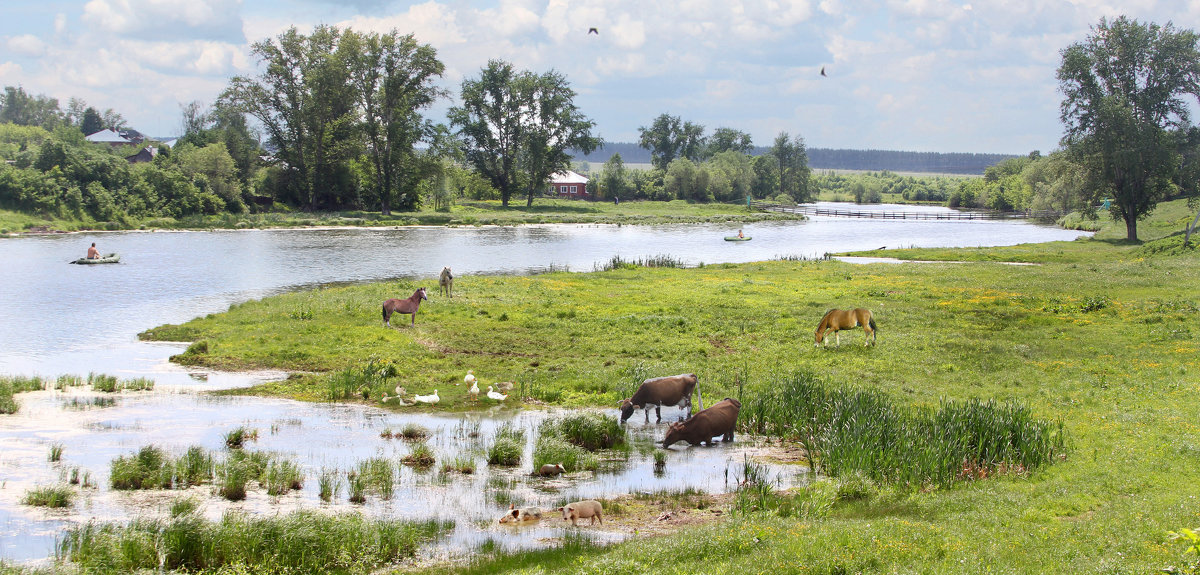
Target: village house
[{"x": 569, "y": 184}]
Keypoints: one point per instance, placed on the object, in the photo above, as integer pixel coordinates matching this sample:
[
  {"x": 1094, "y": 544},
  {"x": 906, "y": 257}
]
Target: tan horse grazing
[
  {"x": 408, "y": 305},
  {"x": 446, "y": 282},
  {"x": 839, "y": 319}
]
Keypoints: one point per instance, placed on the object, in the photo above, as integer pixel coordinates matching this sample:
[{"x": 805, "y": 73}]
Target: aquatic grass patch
[
  {"x": 461, "y": 464},
  {"x": 420, "y": 455},
  {"x": 591, "y": 431},
  {"x": 66, "y": 380},
  {"x": 111, "y": 384},
  {"x": 551, "y": 449},
  {"x": 300, "y": 542},
  {"x": 194, "y": 467},
  {"x": 373, "y": 475},
  {"x": 616, "y": 262},
  {"x": 507, "y": 446},
  {"x": 329, "y": 483},
  {"x": 281, "y": 476},
  {"x": 847, "y": 431},
  {"x": 149, "y": 468},
  {"x": 53, "y": 496},
  {"x": 414, "y": 432},
  {"x": 238, "y": 436},
  {"x": 11, "y": 385}
]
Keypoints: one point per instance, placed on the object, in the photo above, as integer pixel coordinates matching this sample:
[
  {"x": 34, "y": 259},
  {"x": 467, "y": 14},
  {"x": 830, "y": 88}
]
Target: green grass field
[{"x": 1098, "y": 334}]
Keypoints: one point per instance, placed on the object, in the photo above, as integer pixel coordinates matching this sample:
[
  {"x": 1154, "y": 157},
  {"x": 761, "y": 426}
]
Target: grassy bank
[
  {"x": 1099, "y": 335},
  {"x": 465, "y": 213}
]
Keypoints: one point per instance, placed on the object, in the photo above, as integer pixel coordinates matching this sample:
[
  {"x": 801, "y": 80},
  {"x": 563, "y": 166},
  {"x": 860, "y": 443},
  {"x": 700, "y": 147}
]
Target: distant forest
[{"x": 831, "y": 159}]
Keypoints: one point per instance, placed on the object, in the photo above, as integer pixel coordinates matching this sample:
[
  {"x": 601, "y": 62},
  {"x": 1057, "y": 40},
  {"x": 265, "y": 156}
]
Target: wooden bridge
[{"x": 810, "y": 210}]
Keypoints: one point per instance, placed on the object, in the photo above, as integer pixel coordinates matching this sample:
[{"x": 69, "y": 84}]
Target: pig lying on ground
[
  {"x": 523, "y": 515},
  {"x": 582, "y": 510}
]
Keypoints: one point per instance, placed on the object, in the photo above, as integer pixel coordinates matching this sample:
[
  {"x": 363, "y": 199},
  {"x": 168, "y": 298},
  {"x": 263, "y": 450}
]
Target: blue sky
[{"x": 924, "y": 75}]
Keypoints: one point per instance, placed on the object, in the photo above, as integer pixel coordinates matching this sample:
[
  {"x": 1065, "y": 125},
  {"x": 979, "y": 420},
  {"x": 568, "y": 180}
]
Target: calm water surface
[{"x": 65, "y": 319}]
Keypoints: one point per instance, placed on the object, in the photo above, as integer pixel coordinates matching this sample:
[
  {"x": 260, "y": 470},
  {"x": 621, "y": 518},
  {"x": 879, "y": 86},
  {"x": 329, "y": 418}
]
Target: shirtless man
[{"x": 93, "y": 253}]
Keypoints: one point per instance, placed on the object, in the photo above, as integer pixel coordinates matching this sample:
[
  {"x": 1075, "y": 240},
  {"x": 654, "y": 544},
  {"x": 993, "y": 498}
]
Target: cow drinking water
[
  {"x": 718, "y": 420},
  {"x": 675, "y": 390}
]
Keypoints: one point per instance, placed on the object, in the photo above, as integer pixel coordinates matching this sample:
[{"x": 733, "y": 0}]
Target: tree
[
  {"x": 516, "y": 127},
  {"x": 91, "y": 122},
  {"x": 669, "y": 137},
  {"x": 791, "y": 159},
  {"x": 305, "y": 104},
  {"x": 393, "y": 79},
  {"x": 1125, "y": 90},
  {"x": 18, "y": 107},
  {"x": 614, "y": 177},
  {"x": 729, "y": 140}
]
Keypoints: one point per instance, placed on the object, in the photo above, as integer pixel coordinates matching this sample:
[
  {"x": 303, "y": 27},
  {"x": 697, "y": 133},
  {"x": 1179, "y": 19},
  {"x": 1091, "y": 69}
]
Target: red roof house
[{"x": 569, "y": 184}]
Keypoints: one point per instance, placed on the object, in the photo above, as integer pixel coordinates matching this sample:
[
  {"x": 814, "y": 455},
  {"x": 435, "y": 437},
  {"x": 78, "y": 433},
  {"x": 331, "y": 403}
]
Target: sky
[{"x": 919, "y": 75}]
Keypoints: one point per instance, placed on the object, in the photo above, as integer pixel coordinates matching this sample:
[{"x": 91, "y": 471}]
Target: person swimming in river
[{"x": 93, "y": 253}]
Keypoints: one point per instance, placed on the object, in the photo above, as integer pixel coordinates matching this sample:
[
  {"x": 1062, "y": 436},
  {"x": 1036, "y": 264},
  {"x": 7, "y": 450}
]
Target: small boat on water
[
  {"x": 737, "y": 238},
  {"x": 106, "y": 259}
]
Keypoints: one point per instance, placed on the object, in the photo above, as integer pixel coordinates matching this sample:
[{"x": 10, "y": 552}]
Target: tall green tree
[
  {"x": 728, "y": 140},
  {"x": 305, "y": 103},
  {"x": 791, "y": 158},
  {"x": 1126, "y": 88},
  {"x": 614, "y": 179},
  {"x": 669, "y": 137},
  {"x": 553, "y": 125},
  {"x": 91, "y": 122},
  {"x": 516, "y": 127},
  {"x": 18, "y": 107},
  {"x": 393, "y": 78}
]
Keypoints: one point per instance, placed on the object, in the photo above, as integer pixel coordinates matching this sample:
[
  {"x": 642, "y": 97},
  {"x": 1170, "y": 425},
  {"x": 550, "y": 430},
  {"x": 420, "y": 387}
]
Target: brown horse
[
  {"x": 839, "y": 319},
  {"x": 408, "y": 305}
]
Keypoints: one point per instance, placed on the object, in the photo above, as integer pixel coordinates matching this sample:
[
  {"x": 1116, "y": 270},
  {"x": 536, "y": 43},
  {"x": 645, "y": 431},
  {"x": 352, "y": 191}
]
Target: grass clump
[
  {"x": 848, "y": 431},
  {"x": 149, "y": 468},
  {"x": 375, "y": 475},
  {"x": 238, "y": 436},
  {"x": 56, "y": 451},
  {"x": 421, "y": 455},
  {"x": 301, "y": 542},
  {"x": 507, "y": 447},
  {"x": 461, "y": 464},
  {"x": 11, "y": 385},
  {"x": 591, "y": 431},
  {"x": 53, "y": 496},
  {"x": 282, "y": 476},
  {"x": 552, "y": 449},
  {"x": 328, "y": 485}
]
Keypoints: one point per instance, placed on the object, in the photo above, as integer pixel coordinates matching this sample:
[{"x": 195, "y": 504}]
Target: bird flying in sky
[
  {"x": 593, "y": 31},
  {"x": 823, "y": 71}
]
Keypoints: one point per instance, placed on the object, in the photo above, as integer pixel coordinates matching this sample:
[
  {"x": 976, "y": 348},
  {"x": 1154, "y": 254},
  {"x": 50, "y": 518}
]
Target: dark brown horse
[{"x": 408, "y": 305}]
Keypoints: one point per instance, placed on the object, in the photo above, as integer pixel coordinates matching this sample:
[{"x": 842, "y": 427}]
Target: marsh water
[{"x": 65, "y": 319}]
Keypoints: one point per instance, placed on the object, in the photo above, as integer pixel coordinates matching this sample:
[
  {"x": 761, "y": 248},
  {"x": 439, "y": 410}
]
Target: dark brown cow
[
  {"x": 675, "y": 390},
  {"x": 718, "y": 420}
]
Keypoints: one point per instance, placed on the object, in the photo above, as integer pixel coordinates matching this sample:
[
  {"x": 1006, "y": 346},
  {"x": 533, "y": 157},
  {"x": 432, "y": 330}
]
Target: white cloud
[
  {"x": 26, "y": 45},
  {"x": 430, "y": 23},
  {"x": 167, "y": 19}
]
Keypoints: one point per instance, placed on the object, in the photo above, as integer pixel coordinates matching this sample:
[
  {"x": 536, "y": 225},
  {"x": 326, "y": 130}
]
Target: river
[{"x": 68, "y": 319}]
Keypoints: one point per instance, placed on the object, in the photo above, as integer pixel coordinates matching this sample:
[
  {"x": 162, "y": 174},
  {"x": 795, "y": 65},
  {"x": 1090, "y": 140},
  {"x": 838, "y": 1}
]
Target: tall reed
[{"x": 846, "y": 431}]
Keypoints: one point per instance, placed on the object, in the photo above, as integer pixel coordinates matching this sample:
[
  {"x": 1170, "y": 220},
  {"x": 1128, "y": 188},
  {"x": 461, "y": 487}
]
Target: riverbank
[
  {"x": 1098, "y": 336},
  {"x": 464, "y": 213}
]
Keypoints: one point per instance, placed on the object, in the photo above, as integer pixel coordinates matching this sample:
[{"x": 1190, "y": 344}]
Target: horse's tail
[
  {"x": 385, "y": 313},
  {"x": 874, "y": 330}
]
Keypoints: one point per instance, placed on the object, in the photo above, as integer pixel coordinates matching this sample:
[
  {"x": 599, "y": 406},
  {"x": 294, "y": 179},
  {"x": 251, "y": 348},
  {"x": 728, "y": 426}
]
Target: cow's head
[
  {"x": 627, "y": 408},
  {"x": 674, "y": 434}
]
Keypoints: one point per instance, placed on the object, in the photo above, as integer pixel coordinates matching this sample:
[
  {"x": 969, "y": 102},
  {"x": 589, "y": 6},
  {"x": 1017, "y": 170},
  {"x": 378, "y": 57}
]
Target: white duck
[
  {"x": 496, "y": 395},
  {"x": 470, "y": 378},
  {"x": 474, "y": 391},
  {"x": 427, "y": 398}
]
